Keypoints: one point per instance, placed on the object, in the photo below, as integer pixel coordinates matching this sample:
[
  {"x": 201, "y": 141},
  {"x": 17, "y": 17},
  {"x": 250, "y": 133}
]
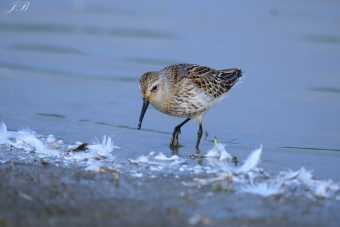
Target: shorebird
[{"x": 186, "y": 90}]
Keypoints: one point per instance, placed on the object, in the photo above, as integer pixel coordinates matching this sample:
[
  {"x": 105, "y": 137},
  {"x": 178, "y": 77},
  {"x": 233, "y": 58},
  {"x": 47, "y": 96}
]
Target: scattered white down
[
  {"x": 95, "y": 150},
  {"x": 264, "y": 189},
  {"x": 145, "y": 160},
  {"x": 220, "y": 165},
  {"x": 324, "y": 189},
  {"x": 102, "y": 149},
  {"x": 140, "y": 160},
  {"x": 219, "y": 151},
  {"x": 3, "y": 133},
  {"x": 305, "y": 177},
  {"x": 247, "y": 178},
  {"x": 162, "y": 157},
  {"x": 251, "y": 162},
  {"x": 27, "y": 140},
  {"x": 95, "y": 167}
]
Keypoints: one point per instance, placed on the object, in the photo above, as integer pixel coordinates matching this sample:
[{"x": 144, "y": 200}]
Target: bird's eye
[{"x": 154, "y": 88}]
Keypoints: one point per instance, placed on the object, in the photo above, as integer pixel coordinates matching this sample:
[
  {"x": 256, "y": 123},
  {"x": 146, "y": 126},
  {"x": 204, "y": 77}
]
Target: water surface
[{"x": 71, "y": 69}]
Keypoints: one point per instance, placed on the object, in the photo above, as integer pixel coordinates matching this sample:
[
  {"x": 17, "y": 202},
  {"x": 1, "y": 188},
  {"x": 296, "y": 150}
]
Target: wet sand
[{"x": 36, "y": 193}]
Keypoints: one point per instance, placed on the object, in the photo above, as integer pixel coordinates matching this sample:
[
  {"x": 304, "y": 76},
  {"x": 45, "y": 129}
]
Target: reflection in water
[
  {"x": 320, "y": 38},
  {"x": 26, "y": 68},
  {"x": 58, "y": 28},
  {"x": 126, "y": 79},
  {"x": 175, "y": 151},
  {"x": 128, "y": 32},
  {"x": 43, "y": 48},
  {"x": 151, "y": 61},
  {"x": 28, "y": 27},
  {"x": 311, "y": 148},
  {"x": 144, "y": 33},
  {"x": 148, "y": 130},
  {"x": 103, "y": 123},
  {"x": 325, "y": 89},
  {"x": 51, "y": 115}
]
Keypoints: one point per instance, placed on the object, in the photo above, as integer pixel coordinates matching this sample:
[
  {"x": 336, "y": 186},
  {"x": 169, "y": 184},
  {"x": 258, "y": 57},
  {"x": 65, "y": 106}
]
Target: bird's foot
[
  {"x": 174, "y": 140},
  {"x": 174, "y": 143}
]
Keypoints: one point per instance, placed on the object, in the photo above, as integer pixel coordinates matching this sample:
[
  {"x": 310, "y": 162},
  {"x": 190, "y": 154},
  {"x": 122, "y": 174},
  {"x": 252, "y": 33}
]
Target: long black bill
[{"x": 144, "y": 108}]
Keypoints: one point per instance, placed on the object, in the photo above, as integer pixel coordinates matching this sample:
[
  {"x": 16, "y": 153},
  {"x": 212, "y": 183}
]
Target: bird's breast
[{"x": 187, "y": 102}]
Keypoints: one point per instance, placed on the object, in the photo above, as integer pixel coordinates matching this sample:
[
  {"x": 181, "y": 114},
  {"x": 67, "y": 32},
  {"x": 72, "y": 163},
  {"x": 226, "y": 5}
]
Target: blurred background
[{"x": 71, "y": 69}]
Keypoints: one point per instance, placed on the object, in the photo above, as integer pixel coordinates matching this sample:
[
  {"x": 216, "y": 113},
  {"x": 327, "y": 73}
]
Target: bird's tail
[{"x": 231, "y": 76}]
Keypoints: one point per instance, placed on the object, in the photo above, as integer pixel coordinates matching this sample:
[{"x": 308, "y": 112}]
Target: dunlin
[{"x": 186, "y": 90}]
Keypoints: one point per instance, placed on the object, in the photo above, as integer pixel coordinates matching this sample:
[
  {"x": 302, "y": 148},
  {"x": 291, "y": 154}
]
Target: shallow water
[{"x": 71, "y": 69}]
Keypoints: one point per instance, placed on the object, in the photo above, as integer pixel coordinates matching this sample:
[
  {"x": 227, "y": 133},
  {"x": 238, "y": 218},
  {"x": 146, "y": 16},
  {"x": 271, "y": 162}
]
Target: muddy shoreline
[{"x": 34, "y": 194}]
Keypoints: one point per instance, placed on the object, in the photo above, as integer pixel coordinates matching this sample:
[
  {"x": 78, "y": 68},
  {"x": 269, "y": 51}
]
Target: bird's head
[{"x": 149, "y": 85}]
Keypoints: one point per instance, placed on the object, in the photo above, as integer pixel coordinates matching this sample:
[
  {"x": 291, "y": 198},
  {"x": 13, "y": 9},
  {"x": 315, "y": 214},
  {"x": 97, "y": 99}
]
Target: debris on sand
[{"x": 213, "y": 169}]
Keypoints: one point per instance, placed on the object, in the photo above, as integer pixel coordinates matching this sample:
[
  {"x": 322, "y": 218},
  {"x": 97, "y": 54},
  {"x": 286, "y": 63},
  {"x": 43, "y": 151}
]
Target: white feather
[
  {"x": 223, "y": 166},
  {"x": 264, "y": 189},
  {"x": 3, "y": 133},
  {"x": 289, "y": 175},
  {"x": 162, "y": 157},
  {"x": 305, "y": 177},
  {"x": 219, "y": 151},
  {"x": 81, "y": 155},
  {"x": 251, "y": 162},
  {"x": 96, "y": 150},
  {"x": 322, "y": 190},
  {"x": 213, "y": 153},
  {"x": 27, "y": 140},
  {"x": 95, "y": 167},
  {"x": 225, "y": 156},
  {"x": 140, "y": 160},
  {"x": 102, "y": 149}
]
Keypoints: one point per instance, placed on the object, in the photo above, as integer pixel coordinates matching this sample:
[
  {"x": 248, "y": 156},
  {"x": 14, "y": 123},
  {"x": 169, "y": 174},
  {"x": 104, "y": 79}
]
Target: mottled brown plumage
[{"x": 186, "y": 90}]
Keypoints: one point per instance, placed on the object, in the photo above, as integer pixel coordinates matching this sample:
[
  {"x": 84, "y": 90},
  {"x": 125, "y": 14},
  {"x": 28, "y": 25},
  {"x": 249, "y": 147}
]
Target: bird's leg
[
  {"x": 177, "y": 130},
  {"x": 199, "y": 136}
]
